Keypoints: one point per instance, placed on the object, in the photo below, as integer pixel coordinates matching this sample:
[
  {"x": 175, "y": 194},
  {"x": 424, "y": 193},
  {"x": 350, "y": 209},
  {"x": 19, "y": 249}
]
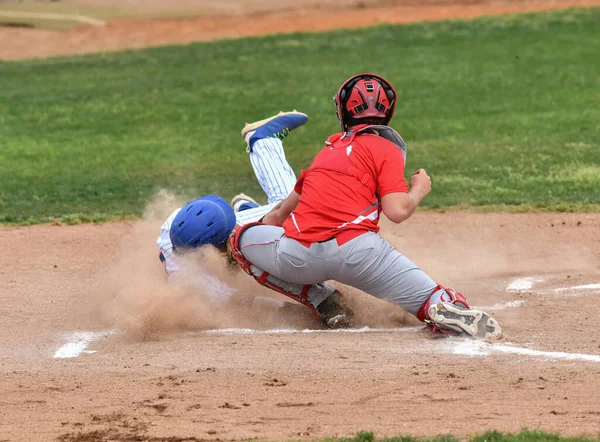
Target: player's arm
[
  {"x": 398, "y": 202},
  {"x": 281, "y": 211},
  {"x": 399, "y": 206}
]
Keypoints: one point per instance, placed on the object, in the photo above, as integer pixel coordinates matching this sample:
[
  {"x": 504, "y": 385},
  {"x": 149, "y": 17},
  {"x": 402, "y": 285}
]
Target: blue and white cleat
[
  {"x": 243, "y": 202},
  {"x": 277, "y": 126}
]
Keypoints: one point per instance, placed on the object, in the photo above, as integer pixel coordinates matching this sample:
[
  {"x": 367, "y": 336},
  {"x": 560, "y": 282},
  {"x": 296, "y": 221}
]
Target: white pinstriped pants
[{"x": 273, "y": 172}]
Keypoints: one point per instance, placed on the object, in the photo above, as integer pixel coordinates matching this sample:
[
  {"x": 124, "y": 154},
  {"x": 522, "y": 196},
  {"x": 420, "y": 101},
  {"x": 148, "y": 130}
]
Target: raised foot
[{"x": 278, "y": 126}]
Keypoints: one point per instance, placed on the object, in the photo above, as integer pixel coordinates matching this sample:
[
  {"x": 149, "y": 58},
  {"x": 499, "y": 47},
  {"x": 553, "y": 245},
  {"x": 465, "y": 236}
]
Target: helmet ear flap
[{"x": 390, "y": 95}]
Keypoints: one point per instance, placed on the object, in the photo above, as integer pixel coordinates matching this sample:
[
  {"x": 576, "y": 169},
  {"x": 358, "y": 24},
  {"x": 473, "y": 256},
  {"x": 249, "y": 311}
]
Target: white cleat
[{"x": 473, "y": 322}]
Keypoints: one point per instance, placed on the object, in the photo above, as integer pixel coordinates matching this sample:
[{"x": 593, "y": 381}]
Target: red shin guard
[
  {"x": 449, "y": 296},
  {"x": 262, "y": 279}
]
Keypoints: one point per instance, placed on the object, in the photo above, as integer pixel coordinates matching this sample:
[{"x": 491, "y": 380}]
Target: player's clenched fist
[{"x": 421, "y": 182}]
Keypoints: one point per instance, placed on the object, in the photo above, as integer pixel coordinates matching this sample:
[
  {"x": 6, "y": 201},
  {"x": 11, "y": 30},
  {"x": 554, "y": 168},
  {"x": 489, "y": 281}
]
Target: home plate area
[{"x": 169, "y": 369}]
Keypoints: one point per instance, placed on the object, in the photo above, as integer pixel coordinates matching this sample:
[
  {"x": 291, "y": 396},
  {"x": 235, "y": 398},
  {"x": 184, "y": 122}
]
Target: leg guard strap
[
  {"x": 302, "y": 298},
  {"x": 441, "y": 294},
  {"x": 263, "y": 278},
  {"x": 234, "y": 247}
]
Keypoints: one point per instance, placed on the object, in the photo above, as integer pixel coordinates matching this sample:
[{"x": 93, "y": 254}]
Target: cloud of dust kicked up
[
  {"x": 137, "y": 298},
  {"x": 476, "y": 260}
]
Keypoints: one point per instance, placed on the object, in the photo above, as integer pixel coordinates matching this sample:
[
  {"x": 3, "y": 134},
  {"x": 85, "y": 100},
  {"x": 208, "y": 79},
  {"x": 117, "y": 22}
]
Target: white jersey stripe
[
  {"x": 295, "y": 223},
  {"x": 371, "y": 216}
]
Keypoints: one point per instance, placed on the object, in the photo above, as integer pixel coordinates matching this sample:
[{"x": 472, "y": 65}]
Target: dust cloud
[
  {"x": 477, "y": 259},
  {"x": 136, "y": 296}
]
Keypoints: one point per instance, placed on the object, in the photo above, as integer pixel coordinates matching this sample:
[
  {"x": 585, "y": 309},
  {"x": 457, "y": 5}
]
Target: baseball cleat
[
  {"x": 278, "y": 126},
  {"x": 473, "y": 322},
  {"x": 243, "y": 202},
  {"x": 334, "y": 313}
]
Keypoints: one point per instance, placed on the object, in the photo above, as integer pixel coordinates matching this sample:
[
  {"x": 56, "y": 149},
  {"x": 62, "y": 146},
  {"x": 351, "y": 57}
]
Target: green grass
[
  {"x": 98, "y": 135},
  {"x": 490, "y": 436}
]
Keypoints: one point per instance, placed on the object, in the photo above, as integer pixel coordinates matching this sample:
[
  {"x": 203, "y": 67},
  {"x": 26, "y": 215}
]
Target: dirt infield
[
  {"x": 244, "y": 20},
  {"x": 77, "y": 300},
  {"x": 95, "y": 346}
]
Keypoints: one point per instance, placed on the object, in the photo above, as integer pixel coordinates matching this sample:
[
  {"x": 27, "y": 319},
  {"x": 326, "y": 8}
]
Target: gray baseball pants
[{"x": 367, "y": 262}]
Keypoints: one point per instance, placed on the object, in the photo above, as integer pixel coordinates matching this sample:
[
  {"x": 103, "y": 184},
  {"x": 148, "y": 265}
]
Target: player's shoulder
[
  {"x": 334, "y": 137},
  {"x": 383, "y": 139},
  {"x": 169, "y": 221},
  {"x": 377, "y": 145}
]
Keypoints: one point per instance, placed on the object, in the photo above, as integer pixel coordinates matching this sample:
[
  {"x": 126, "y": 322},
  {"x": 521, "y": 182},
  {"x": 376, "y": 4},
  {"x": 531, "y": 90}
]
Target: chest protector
[{"x": 336, "y": 154}]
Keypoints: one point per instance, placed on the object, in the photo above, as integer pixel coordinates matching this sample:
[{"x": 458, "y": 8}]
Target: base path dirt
[
  {"x": 94, "y": 345},
  {"x": 19, "y": 43}
]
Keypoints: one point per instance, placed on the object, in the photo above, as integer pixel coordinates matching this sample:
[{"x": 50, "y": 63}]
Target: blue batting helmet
[
  {"x": 229, "y": 213},
  {"x": 206, "y": 220}
]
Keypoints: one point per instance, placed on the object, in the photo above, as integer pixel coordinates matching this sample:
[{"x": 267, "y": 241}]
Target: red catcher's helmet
[{"x": 365, "y": 96}]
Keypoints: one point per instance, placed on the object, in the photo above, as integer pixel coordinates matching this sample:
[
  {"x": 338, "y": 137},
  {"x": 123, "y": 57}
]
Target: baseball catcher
[{"x": 327, "y": 227}]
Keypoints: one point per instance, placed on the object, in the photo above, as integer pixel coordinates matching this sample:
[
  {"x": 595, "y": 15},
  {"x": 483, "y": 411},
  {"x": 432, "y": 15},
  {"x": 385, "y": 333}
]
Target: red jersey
[{"x": 340, "y": 192}]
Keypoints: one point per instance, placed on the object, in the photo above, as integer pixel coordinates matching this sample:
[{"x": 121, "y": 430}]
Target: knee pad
[{"x": 441, "y": 294}]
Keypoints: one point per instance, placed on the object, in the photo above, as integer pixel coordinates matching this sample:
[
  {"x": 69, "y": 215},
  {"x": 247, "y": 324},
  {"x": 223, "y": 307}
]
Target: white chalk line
[
  {"x": 470, "y": 347},
  {"x": 527, "y": 283},
  {"x": 579, "y": 287},
  {"x": 284, "y": 331},
  {"x": 77, "y": 343},
  {"x": 458, "y": 346}
]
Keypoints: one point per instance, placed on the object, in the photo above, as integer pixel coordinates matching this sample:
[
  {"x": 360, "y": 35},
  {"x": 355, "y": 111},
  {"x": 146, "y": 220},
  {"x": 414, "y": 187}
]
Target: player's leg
[
  {"x": 264, "y": 144},
  {"x": 373, "y": 265},
  {"x": 258, "y": 250},
  {"x": 272, "y": 170}
]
